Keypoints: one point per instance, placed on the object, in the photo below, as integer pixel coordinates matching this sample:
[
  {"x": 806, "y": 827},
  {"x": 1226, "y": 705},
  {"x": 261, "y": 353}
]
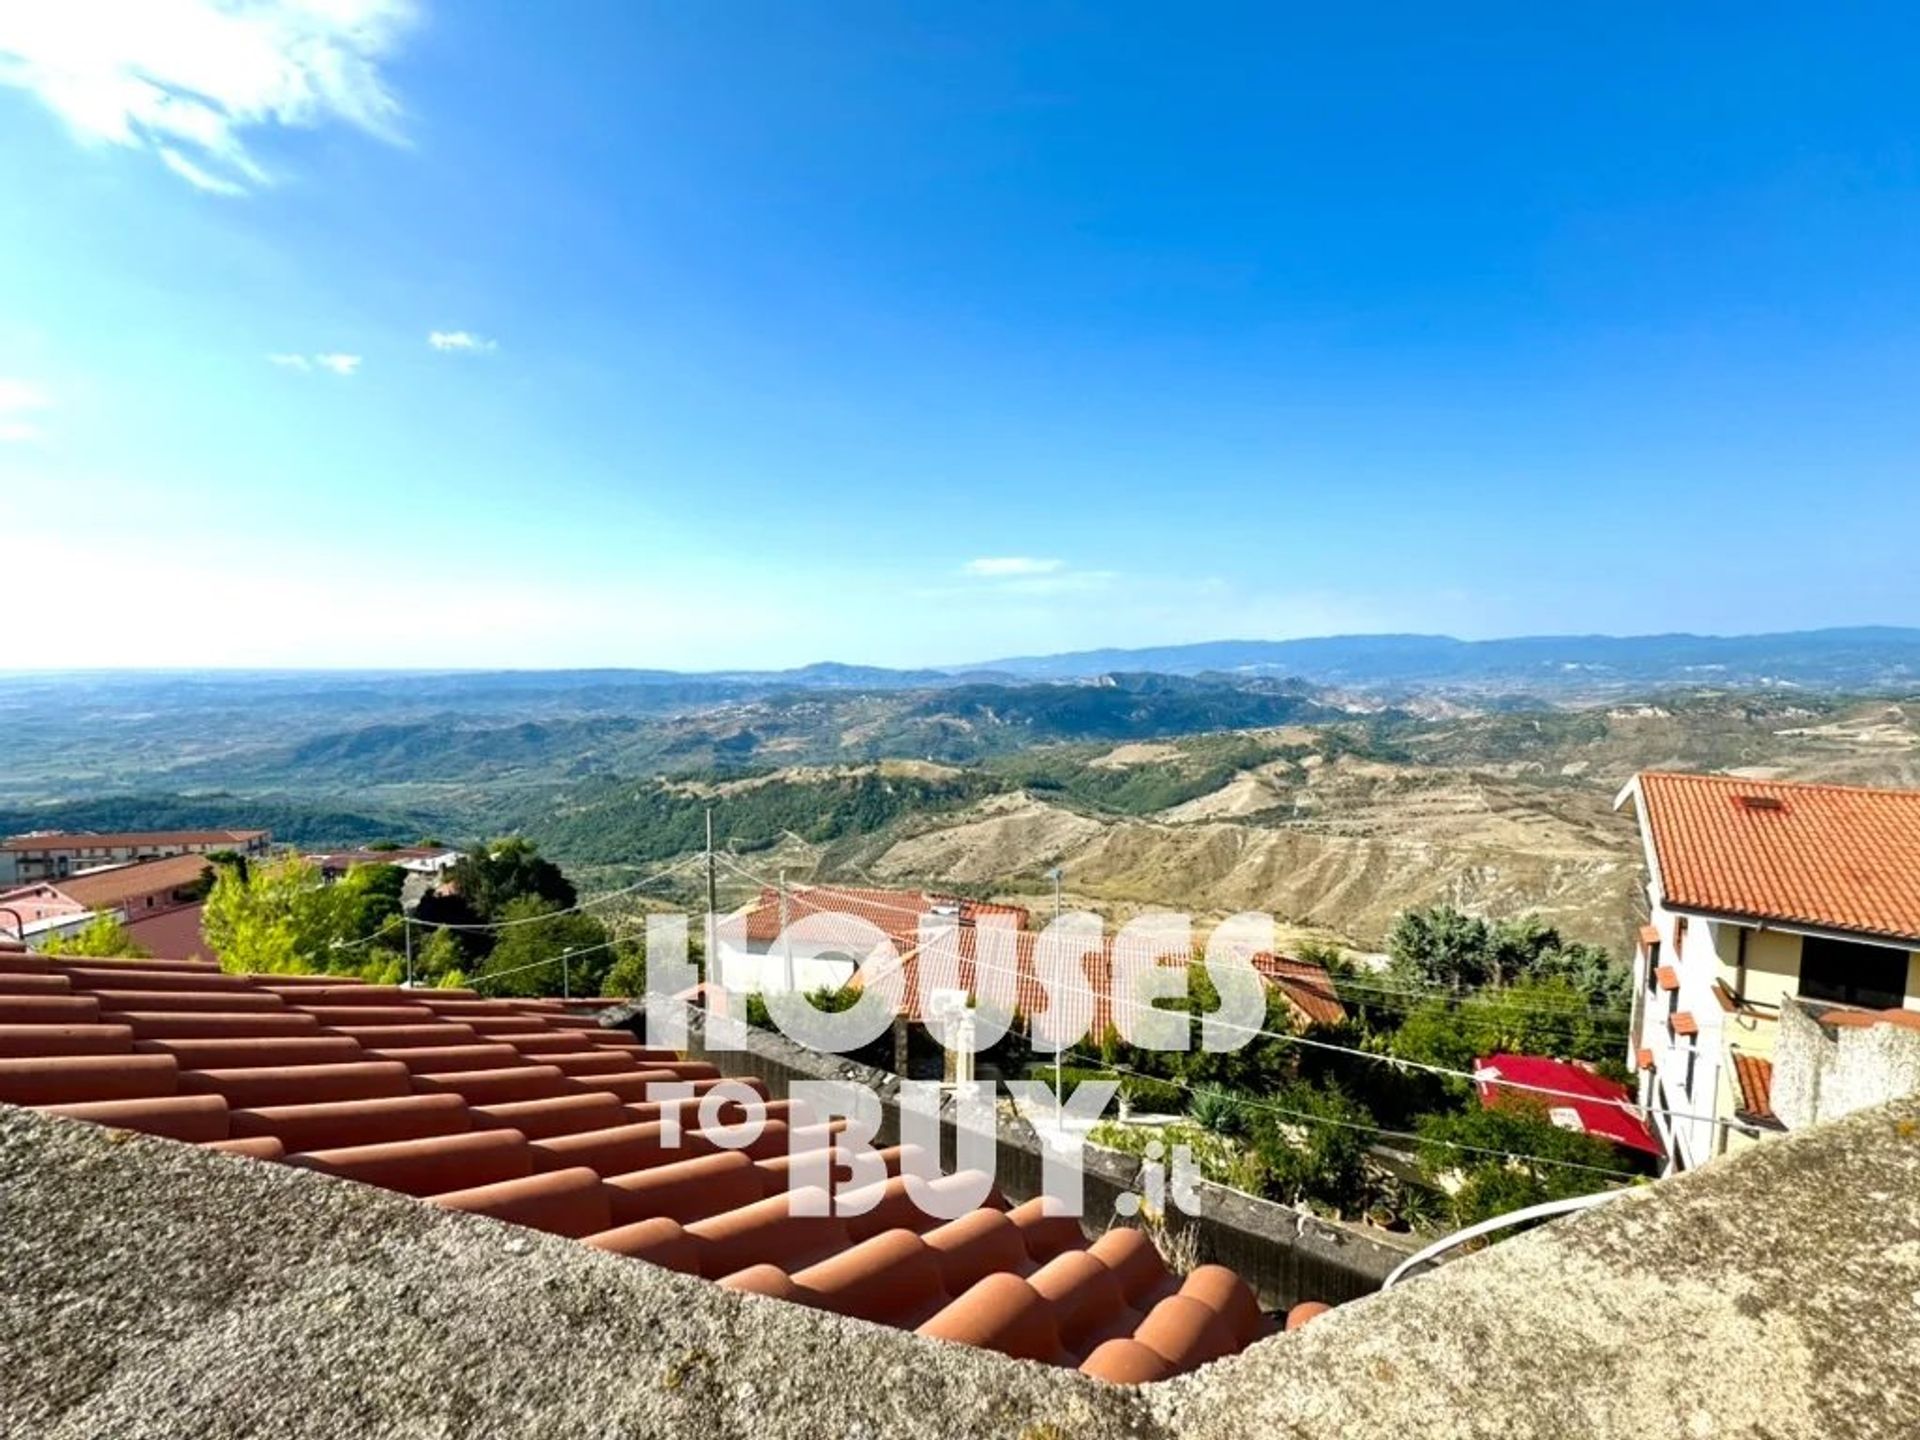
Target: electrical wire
[
  {"x": 409, "y": 922},
  {"x": 1309, "y": 1117},
  {"x": 1377, "y": 1057},
  {"x": 1340, "y": 982}
]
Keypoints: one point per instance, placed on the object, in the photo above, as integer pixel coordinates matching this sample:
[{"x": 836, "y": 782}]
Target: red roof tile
[
  {"x": 126, "y": 839},
  {"x": 371, "y": 1084},
  {"x": 104, "y": 889},
  {"x": 1830, "y": 856},
  {"x": 174, "y": 932},
  {"x": 896, "y": 912},
  {"x": 1307, "y": 986},
  {"x": 1754, "y": 1078}
]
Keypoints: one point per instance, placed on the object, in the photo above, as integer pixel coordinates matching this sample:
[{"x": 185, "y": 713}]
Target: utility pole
[
  {"x": 713, "y": 906},
  {"x": 566, "y": 974},
  {"x": 786, "y": 944},
  {"x": 406, "y": 929},
  {"x": 1060, "y": 1052}
]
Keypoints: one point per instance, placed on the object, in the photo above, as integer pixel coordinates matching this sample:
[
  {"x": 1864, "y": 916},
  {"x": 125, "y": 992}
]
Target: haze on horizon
[{"x": 388, "y": 334}]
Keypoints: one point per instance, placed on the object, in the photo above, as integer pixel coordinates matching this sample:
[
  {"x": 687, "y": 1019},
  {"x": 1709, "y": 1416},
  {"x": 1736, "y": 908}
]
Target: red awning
[{"x": 1582, "y": 1100}]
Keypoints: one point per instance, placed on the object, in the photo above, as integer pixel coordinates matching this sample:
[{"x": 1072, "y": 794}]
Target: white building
[{"x": 1761, "y": 893}]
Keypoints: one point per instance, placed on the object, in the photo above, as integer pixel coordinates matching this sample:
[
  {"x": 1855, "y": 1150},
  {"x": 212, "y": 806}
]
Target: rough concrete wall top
[
  {"x": 156, "y": 1289},
  {"x": 152, "y": 1289},
  {"x": 1773, "y": 1294}
]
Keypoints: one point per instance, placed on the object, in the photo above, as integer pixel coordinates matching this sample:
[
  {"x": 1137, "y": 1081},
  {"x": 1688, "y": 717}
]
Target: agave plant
[{"x": 1217, "y": 1110}]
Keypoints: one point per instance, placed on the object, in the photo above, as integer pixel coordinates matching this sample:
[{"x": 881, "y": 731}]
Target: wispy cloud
[
  {"x": 186, "y": 79},
  {"x": 332, "y": 361},
  {"x": 1000, "y": 566},
  {"x": 464, "y": 341},
  {"x": 18, "y": 401},
  {"x": 1007, "y": 577}
]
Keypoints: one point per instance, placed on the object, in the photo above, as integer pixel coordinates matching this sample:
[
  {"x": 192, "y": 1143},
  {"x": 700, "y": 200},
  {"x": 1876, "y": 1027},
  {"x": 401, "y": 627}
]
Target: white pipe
[{"x": 1544, "y": 1211}]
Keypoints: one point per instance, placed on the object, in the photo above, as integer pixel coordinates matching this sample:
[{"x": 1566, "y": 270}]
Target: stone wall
[{"x": 1823, "y": 1072}]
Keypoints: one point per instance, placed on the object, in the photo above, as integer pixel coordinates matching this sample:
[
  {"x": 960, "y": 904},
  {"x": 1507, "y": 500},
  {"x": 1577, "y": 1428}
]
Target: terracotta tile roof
[
  {"x": 175, "y": 932},
  {"x": 1608, "y": 1112},
  {"x": 104, "y": 889},
  {"x": 1831, "y": 856},
  {"x": 1668, "y": 977},
  {"x": 1848, "y": 1018},
  {"x": 1754, "y": 1078},
  {"x": 70, "y": 840},
  {"x": 526, "y": 1112},
  {"x": 1649, "y": 936},
  {"x": 1307, "y": 986},
  {"x": 1030, "y": 997},
  {"x": 895, "y": 912},
  {"x": 1683, "y": 1023}
]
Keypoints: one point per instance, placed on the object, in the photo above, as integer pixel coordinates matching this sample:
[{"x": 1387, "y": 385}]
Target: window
[
  {"x": 1679, "y": 935},
  {"x": 1873, "y": 977}
]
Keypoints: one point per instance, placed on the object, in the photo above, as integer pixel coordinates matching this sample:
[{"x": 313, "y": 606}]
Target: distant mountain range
[
  {"x": 1867, "y": 657},
  {"x": 1864, "y": 658}
]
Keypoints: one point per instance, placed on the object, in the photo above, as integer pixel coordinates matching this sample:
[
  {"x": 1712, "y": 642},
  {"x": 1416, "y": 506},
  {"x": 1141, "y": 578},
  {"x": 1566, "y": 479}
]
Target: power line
[
  {"x": 573, "y": 909},
  {"x": 407, "y": 920},
  {"x": 1396, "y": 1061},
  {"x": 1310, "y": 1117},
  {"x": 1423, "y": 993}
]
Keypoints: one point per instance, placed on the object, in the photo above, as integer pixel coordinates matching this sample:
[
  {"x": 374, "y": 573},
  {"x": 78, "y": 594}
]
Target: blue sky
[{"x": 900, "y": 333}]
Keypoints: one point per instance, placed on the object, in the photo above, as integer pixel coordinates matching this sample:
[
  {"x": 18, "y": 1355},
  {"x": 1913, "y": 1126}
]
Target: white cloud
[
  {"x": 200, "y": 179},
  {"x": 1001, "y": 566},
  {"x": 19, "y": 399},
  {"x": 461, "y": 340},
  {"x": 186, "y": 79},
  {"x": 334, "y": 361}
]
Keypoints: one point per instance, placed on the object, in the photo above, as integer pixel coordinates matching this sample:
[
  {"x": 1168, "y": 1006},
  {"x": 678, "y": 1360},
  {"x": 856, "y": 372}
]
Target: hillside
[
  {"x": 1335, "y": 828},
  {"x": 1202, "y": 793}
]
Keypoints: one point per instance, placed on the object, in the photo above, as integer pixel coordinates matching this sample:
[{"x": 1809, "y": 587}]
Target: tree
[
  {"x": 627, "y": 976},
  {"x": 527, "y": 953},
  {"x": 1442, "y": 948},
  {"x": 280, "y": 917},
  {"x": 1505, "y": 1156},
  {"x": 491, "y": 877},
  {"x": 1304, "y": 1160},
  {"x": 483, "y": 883},
  {"x": 271, "y": 917},
  {"x": 103, "y": 937}
]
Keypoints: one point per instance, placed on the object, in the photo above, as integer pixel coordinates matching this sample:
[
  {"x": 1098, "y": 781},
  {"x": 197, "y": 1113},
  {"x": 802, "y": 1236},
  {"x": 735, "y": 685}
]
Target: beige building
[
  {"x": 1772, "y": 907},
  {"x": 54, "y": 855}
]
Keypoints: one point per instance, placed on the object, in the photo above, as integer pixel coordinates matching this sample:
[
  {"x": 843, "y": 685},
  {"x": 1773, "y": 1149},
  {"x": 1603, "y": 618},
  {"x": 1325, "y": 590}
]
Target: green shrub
[{"x": 1219, "y": 1111}]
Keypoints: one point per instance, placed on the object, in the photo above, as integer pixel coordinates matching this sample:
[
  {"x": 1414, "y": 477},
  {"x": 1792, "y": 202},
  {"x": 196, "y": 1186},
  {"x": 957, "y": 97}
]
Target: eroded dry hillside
[{"x": 1501, "y": 814}]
